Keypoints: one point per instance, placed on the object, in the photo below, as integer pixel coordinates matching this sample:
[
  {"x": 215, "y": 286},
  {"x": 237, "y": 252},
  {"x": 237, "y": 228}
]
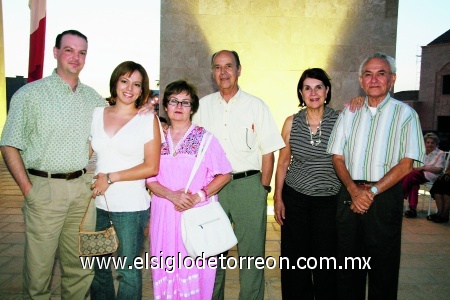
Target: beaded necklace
[{"x": 313, "y": 142}]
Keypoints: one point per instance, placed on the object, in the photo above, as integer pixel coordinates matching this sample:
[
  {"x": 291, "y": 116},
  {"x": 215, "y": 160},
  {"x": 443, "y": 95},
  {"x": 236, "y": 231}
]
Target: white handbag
[{"x": 206, "y": 230}]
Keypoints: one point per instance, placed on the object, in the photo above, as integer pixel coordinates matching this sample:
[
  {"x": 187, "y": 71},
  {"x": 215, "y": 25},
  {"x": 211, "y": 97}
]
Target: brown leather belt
[
  {"x": 66, "y": 176},
  {"x": 240, "y": 175}
]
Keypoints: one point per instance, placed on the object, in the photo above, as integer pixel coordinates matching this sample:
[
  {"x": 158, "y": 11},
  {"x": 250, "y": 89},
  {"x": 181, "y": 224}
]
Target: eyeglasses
[{"x": 175, "y": 102}]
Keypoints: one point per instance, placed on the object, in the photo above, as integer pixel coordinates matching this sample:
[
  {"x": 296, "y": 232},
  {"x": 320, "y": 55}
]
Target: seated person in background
[
  {"x": 441, "y": 193},
  {"x": 429, "y": 172}
]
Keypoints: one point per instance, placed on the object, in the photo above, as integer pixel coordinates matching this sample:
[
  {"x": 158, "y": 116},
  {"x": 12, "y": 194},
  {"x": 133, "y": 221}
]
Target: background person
[
  {"x": 429, "y": 172},
  {"x": 248, "y": 133},
  {"x": 45, "y": 146},
  {"x": 373, "y": 149},
  {"x": 440, "y": 191},
  {"x": 127, "y": 147},
  {"x": 306, "y": 186},
  {"x": 178, "y": 155}
]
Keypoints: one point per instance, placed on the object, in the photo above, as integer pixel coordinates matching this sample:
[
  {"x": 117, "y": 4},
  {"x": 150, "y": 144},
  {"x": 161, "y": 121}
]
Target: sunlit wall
[
  {"x": 2, "y": 74},
  {"x": 276, "y": 41}
]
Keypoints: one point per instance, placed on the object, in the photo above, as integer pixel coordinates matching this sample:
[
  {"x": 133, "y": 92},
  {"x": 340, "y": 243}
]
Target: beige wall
[
  {"x": 2, "y": 74},
  {"x": 276, "y": 41},
  {"x": 435, "y": 63}
]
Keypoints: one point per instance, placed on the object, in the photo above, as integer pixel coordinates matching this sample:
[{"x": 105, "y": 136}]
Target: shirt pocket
[{"x": 243, "y": 137}]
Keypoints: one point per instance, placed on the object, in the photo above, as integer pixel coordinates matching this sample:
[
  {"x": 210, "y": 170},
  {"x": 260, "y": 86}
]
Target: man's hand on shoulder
[{"x": 147, "y": 108}]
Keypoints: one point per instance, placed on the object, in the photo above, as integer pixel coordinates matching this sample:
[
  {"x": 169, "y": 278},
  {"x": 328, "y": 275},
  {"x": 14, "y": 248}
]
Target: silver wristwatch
[
  {"x": 374, "y": 190},
  {"x": 108, "y": 180}
]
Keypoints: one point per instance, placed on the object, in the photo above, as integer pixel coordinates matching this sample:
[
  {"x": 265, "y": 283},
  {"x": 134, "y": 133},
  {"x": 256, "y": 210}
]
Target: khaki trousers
[
  {"x": 245, "y": 202},
  {"x": 52, "y": 211}
]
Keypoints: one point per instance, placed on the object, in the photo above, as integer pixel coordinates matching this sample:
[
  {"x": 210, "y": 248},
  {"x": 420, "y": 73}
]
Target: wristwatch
[
  {"x": 374, "y": 190},
  {"x": 108, "y": 180},
  {"x": 268, "y": 188}
]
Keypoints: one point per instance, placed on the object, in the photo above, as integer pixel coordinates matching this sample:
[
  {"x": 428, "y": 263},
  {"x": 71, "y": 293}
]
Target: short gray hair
[
  {"x": 390, "y": 60},
  {"x": 432, "y": 136}
]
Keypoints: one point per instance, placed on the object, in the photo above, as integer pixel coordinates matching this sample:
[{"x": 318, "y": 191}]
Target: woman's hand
[
  {"x": 183, "y": 201},
  {"x": 279, "y": 210},
  {"x": 195, "y": 198},
  {"x": 355, "y": 104},
  {"x": 100, "y": 186}
]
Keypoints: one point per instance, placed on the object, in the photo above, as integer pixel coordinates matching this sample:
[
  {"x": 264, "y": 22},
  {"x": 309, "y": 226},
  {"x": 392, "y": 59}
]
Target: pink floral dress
[{"x": 171, "y": 280}]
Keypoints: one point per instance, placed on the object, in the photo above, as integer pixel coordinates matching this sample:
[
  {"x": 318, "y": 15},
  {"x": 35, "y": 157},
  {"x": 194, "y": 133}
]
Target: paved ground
[{"x": 424, "y": 272}]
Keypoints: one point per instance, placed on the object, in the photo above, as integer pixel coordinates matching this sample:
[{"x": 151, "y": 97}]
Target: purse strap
[
  {"x": 201, "y": 152},
  {"x": 87, "y": 209}
]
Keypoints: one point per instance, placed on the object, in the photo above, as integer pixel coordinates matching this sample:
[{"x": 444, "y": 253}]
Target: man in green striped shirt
[{"x": 373, "y": 149}]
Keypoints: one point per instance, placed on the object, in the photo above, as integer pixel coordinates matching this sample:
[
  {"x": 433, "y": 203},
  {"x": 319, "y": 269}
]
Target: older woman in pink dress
[{"x": 178, "y": 153}]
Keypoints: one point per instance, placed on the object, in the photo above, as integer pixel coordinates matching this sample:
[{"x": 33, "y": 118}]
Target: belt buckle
[{"x": 68, "y": 176}]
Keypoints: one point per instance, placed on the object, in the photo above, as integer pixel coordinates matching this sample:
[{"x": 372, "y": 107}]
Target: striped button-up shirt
[{"x": 372, "y": 144}]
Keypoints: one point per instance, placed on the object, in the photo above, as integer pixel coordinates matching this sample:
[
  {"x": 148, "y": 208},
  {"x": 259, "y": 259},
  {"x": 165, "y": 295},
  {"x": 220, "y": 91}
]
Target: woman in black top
[{"x": 306, "y": 186}]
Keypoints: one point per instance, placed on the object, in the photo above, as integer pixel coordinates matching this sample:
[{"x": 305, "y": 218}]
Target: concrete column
[{"x": 2, "y": 73}]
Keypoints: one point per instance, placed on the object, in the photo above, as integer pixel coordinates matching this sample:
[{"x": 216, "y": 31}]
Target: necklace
[
  {"x": 313, "y": 142},
  {"x": 173, "y": 149}
]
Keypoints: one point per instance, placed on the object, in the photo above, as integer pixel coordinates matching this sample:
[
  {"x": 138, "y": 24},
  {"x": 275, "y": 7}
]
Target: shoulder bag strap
[
  {"x": 87, "y": 209},
  {"x": 201, "y": 152}
]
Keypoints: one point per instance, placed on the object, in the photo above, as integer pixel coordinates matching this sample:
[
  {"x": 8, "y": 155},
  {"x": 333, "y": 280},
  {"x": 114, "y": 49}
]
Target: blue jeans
[{"x": 130, "y": 228}]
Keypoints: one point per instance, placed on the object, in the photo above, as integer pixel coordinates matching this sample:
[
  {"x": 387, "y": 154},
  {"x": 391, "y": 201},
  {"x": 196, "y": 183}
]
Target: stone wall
[
  {"x": 276, "y": 41},
  {"x": 2, "y": 74}
]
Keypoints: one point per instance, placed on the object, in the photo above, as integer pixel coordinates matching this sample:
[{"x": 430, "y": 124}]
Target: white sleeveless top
[{"x": 123, "y": 151}]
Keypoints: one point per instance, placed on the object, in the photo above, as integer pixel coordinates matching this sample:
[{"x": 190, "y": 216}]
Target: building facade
[{"x": 434, "y": 94}]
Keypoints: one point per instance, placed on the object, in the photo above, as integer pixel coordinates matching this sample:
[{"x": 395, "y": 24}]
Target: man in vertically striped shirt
[{"x": 373, "y": 149}]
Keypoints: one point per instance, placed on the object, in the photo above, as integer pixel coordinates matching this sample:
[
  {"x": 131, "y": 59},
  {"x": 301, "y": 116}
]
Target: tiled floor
[{"x": 424, "y": 272}]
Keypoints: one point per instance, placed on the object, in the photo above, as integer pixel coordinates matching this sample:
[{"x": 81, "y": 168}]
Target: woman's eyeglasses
[{"x": 175, "y": 102}]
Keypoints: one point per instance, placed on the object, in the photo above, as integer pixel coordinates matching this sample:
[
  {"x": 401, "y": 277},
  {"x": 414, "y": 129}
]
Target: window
[
  {"x": 446, "y": 85},
  {"x": 444, "y": 124}
]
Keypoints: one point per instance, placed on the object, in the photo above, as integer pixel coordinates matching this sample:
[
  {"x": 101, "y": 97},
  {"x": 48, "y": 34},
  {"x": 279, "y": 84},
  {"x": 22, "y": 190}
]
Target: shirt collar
[
  {"x": 233, "y": 99},
  {"x": 432, "y": 152},
  {"x": 381, "y": 105},
  {"x": 64, "y": 84}
]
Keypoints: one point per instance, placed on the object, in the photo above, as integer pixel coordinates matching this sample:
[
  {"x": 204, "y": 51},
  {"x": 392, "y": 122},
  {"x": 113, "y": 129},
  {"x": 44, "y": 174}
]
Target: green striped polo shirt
[{"x": 374, "y": 144}]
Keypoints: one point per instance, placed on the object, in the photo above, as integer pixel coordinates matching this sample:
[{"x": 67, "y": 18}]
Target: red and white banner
[{"x": 37, "y": 39}]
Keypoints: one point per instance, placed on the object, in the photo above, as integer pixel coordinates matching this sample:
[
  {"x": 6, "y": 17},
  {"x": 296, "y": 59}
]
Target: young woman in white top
[{"x": 127, "y": 145}]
